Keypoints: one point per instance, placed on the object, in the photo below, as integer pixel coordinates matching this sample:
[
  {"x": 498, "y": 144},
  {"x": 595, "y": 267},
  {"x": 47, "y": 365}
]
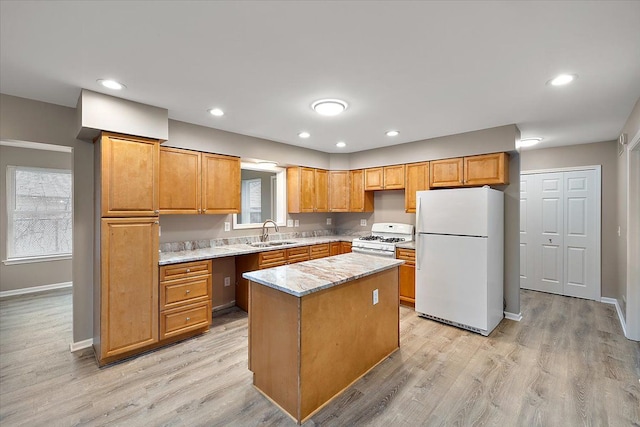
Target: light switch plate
[
  {"x": 363, "y": 223},
  {"x": 227, "y": 226},
  {"x": 227, "y": 281},
  {"x": 289, "y": 223},
  {"x": 328, "y": 221},
  {"x": 297, "y": 223},
  {"x": 375, "y": 296}
]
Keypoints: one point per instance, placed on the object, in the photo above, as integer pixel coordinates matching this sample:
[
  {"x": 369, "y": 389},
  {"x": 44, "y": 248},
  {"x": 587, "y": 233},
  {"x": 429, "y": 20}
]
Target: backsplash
[{"x": 211, "y": 243}]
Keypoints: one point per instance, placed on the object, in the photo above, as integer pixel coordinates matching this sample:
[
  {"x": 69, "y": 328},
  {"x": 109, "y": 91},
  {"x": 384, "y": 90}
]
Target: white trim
[
  {"x": 281, "y": 206},
  {"x": 567, "y": 169},
  {"x": 80, "y": 345},
  {"x": 36, "y": 146},
  {"x": 35, "y": 289},
  {"x": 29, "y": 260},
  {"x": 513, "y": 316},
  {"x": 223, "y": 306},
  {"x": 633, "y": 241},
  {"x": 614, "y": 301}
]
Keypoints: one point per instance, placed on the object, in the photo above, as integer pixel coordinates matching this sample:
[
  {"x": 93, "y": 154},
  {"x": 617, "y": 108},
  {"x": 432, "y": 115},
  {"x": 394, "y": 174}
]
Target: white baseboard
[
  {"x": 80, "y": 345},
  {"x": 224, "y": 306},
  {"x": 614, "y": 301},
  {"x": 513, "y": 316},
  {"x": 35, "y": 289}
]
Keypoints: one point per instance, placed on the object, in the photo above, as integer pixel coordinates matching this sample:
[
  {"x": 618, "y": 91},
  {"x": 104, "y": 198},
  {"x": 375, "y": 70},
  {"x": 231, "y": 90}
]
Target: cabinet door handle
[
  {"x": 204, "y": 211},
  {"x": 188, "y": 270},
  {"x": 157, "y": 211},
  {"x": 188, "y": 318},
  {"x": 188, "y": 291}
]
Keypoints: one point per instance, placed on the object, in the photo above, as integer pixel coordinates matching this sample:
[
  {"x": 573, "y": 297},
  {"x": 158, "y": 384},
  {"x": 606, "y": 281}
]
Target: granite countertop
[
  {"x": 312, "y": 276},
  {"x": 407, "y": 245},
  {"x": 242, "y": 249}
]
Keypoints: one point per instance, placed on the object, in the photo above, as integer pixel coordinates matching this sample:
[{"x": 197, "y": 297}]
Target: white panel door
[
  {"x": 527, "y": 242},
  {"x": 580, "y": 235},
  {"x": 559, "y": 233},
  {"x": 550, "y": 215}
]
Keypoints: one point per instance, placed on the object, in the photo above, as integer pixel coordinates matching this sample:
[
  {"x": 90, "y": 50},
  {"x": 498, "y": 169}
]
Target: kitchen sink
[{"x": 270, "y": 244}]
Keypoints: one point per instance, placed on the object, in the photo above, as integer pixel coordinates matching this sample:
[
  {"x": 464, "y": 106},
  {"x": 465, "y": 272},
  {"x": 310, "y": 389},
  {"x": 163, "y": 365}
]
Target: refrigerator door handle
[
  {"x": 419, "y": 238},
  {"x": 418, "y": 219}
]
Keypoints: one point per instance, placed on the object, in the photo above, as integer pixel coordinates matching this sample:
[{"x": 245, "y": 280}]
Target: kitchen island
[{"x": 318, "y": 326}]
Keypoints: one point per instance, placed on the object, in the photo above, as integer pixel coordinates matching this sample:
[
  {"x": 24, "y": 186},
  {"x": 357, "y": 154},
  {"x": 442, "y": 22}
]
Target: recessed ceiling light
[
  {"x": 341, "y": 144},
  {"x": 529, "y": 142},
  {"x": 216, "y": 112},
  {"x": 392, "y": 133},
  {"x": 329, "y": 107},
  {"x": 304, "y": 134},
  {"x": 562, "y": 79},
  {"x": 111, "y": 84}
]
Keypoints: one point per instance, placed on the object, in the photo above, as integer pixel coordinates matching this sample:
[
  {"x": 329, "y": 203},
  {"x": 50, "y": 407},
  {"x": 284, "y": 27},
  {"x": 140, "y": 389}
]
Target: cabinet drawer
[
  {"x": 298, "y": 254},
  {"x": 182, "y": 291},
  {"x": 408, "y": 255},
  {"x": 319, "y": 251},
  {"x": 185, "y": 269},
  {"x": 271, "y": 257},
  {"x": 184, "y": 319}
]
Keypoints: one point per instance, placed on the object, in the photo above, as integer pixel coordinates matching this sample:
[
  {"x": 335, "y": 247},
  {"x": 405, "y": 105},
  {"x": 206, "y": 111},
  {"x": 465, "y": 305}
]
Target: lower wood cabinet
[
  {"x": 178, "y": 321},
  {"x": 407, "y": 276},
  {"x": 319, "y": 251},
  {"x": 345, "y": 247},
  {"x": 335, "y": 248}
]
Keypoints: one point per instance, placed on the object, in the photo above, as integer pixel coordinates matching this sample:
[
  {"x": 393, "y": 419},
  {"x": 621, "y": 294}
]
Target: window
[
  {"x": 262, "y": 196},
  {"x": 39, "y": 212}
]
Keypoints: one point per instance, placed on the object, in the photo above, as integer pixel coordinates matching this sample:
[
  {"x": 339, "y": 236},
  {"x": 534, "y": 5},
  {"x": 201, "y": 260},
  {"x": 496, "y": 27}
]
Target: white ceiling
[{"x": 427, "y": 69}]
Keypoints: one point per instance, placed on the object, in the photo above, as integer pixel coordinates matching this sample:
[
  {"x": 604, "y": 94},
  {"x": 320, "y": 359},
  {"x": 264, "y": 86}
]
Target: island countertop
[{"x": 312, "y": 276}]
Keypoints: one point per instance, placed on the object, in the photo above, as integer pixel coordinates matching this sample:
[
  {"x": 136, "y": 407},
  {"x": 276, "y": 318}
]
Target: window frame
[
  {"x": 10, "y": 210},
  {"x": 281, "y": 195}
]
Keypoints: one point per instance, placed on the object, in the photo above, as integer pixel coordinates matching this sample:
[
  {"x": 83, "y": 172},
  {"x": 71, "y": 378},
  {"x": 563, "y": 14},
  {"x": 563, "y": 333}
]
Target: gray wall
[
  {"x": 26, "y": 120},
  {"x": 604, "y": 154},
  {"x": 20, "y": 276}
]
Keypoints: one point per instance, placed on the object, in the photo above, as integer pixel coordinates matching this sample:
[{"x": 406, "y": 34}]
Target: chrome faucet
[{"x": 265, "y": 230}]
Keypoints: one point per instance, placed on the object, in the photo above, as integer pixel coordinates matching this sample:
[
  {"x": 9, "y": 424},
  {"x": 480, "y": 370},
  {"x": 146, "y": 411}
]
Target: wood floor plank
[{"x": 565, "y": 363}]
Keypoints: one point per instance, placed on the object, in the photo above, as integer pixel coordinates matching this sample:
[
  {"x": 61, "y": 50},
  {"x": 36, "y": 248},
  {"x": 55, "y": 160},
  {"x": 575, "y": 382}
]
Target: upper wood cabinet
[
  {"x": 359, "y": 200},
  {"x": 416, "y": 179},
  {"x": 128, "y": 176},
  {"x": 471, "y": 171},
  {"x": 384, "y": 178},
  {"x": 486, "y": 169},
  {"x": 307, "y": 190},
  {"x": 446, "y": 173},
  {"x": 180, "y": 181},
  {"x": 220, "y": 184},
  {"x": 128, "y": 291},
  {"x": 339, "y": 190}
]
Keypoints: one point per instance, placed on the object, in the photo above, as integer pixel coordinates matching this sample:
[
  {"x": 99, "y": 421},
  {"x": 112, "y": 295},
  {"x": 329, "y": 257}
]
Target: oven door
[{"x": 371, "y": 251}]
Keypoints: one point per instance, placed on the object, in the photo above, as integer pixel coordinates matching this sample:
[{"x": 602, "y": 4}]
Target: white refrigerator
[{"x": 460, "y": 257}]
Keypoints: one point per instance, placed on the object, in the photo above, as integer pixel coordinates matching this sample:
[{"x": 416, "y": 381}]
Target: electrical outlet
[
  {"x": 375, "y": 296},
  {"x": 297, "y": 223},
  {"x": 227, "y": 281},
  {"x": 227, "y": 226},
  {"x": 363, "y": 223},
  {"x": 328, "y": 221},
  {"x": 289, "y": 223}
]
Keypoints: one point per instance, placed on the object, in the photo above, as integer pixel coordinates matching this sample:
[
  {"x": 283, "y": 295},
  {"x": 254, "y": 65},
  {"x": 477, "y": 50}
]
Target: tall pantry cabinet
[{"x": 126, "y": 245}]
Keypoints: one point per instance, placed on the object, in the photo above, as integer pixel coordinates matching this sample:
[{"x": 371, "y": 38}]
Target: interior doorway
[
  {"x": 560, "y": 231},
  {"x": 633, "y": 240}
]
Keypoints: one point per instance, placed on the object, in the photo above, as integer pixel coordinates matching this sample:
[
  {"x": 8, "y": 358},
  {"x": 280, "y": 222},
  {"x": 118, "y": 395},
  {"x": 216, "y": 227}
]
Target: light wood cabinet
[
  {"x": 407, "y": 276},
  {"x": 416, "y": 179},
  {"x": 384, "y": 178},
  {"x": 128, "y": 176},
  {"x": 487, "y": 169},
  {"x": 307, "y": 190},
  {"x": 127, "y": 296},
  {"x": 180, "y": 181},
  {"x": 345, "y": 247},
  {"x": 185, "y": 298},
  {"x": 446, "y": 173},
  {"x": 335, "y": 248},
  {"x": 339, "y": 190},
  {"x": 298, "y": 254},
  {"x": 192, "y": 182},
  {"x": 471, "y": 171},
  {"x": 319, "y": 251},
  {"x": 220, "y": 184},
  {"x": 359, "y": 200}
]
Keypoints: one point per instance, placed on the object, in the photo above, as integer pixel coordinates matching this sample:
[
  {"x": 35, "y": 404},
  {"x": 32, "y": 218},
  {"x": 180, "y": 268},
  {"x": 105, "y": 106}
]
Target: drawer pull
[
  {"x": 188, "y": 291},
  {"x": 188, "y": 318},
  {"x": 188, "y": 270}
]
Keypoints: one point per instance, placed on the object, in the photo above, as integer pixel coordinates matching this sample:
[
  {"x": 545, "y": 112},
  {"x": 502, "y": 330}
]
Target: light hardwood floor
[{"x": 567, "y": 363}]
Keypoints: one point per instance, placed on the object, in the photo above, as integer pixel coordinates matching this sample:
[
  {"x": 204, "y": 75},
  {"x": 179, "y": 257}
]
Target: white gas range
[{"x": 383, "y": 239}]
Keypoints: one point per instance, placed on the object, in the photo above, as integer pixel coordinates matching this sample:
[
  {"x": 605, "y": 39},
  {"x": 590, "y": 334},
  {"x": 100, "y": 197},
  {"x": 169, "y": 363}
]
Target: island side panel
[
  {"x": 274, "y": 344},
  {"x": 343, "y": 335}
]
